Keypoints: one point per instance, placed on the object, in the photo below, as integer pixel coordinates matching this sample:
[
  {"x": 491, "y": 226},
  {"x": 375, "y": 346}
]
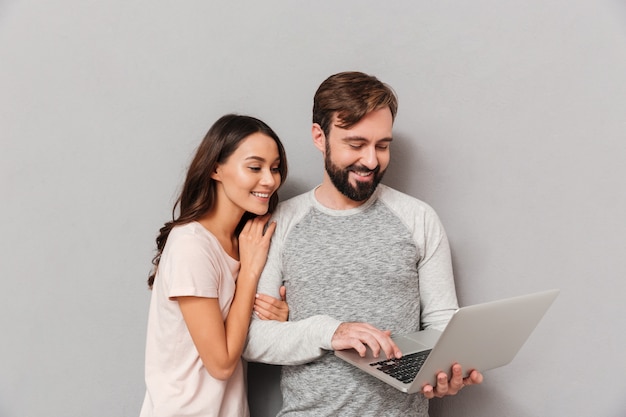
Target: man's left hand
[{"x": 453, "y": 385}]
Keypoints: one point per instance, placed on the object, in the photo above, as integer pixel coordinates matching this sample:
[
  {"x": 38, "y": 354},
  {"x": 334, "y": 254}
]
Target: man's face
[{"x": 356, "y": 158}]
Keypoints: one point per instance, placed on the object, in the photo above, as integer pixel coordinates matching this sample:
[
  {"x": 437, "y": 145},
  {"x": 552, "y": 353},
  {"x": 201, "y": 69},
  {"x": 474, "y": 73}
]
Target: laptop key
[{"x": 405, "y": 368}]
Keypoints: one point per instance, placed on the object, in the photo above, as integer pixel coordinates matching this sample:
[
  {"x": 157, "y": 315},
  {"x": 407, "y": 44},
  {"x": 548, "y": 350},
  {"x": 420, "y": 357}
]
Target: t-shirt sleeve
[
  {"x": 438, "y": 300},
  {"x": 290, "y": 342},
  {"x": 191, "y": 266}
]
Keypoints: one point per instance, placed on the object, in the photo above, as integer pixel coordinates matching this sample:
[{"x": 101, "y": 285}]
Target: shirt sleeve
[
  {"x": 291, "y": 342},
  {"x": 191, "y": 266},
  {"x": 438, "y": 300},
  {"x": 436, "y": 278}
]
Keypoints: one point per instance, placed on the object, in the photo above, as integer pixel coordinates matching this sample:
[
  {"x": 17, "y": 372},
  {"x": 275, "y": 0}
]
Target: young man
[{"x": 359, "y": 260}]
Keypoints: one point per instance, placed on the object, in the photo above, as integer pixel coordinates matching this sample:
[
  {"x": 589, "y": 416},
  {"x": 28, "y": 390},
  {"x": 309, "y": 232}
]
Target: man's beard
[{"x": 341, "y": 179}]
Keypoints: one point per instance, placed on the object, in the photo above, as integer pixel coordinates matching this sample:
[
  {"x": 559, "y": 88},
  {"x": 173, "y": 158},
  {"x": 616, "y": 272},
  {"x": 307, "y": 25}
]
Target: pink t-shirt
[{"x": 193, "y": 263}]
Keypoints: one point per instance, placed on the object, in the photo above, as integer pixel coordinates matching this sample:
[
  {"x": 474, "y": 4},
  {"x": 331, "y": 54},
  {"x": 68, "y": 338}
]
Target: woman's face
[{"x": 250, "y": 175}]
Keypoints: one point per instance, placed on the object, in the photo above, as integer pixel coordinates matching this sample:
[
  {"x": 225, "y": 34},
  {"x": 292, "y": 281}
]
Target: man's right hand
[{"x": 359, "y": 336}]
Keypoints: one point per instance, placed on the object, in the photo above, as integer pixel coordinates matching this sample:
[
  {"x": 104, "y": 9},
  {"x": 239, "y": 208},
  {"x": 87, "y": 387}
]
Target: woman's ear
[
  {"x": 319, "y": 138},
  {"x": 215, "y": 175}
]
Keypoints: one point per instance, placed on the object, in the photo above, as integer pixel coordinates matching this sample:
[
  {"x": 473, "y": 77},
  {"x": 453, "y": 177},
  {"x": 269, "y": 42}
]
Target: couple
[{"x": 359, "y": 261}]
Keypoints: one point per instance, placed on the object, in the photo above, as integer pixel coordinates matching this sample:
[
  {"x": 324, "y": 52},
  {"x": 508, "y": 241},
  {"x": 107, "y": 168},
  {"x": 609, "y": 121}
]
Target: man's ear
[{"x": 319, "y": 138}]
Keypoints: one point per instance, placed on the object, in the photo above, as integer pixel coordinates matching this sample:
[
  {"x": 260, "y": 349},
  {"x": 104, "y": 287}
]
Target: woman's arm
[
  {"x": 209, "y": 332},
  {"x": 220, "y": 342}
]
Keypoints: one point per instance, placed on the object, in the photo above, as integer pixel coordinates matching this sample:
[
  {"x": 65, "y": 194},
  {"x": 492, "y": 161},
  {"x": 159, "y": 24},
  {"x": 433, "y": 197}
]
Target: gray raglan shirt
[{"x": 386, "y": 262}]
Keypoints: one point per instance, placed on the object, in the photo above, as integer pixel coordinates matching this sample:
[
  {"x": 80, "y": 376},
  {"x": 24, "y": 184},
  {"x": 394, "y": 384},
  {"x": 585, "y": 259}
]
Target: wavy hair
[{"x": 199, "y": 193}]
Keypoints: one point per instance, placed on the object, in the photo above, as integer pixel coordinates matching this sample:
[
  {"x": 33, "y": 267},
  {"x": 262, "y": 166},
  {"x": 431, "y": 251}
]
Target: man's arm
[
  {"x": 290, "y": 342},
  {"x": 298, "y": 342},
  {"x": 439, "y": 302},
  {"x": 437, "y": 290}
]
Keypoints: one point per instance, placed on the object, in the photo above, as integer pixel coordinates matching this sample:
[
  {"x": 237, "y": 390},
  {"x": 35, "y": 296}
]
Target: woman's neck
[{"x": 223, "y": 227}]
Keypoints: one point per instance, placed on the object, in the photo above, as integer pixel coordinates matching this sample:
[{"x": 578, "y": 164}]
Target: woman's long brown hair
[{"x": 199, "y": 190}]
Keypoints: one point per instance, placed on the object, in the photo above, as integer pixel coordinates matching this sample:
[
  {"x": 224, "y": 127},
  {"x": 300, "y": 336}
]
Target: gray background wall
[{"x": 511, "y": 125}]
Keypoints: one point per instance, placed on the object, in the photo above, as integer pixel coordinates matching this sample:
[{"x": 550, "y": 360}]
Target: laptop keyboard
[{"x": 405, "y": 368}]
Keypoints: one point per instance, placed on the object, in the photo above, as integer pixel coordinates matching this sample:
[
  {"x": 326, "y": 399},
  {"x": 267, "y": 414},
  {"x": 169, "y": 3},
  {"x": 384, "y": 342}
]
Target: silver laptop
[{"x": 481, "y": 337}]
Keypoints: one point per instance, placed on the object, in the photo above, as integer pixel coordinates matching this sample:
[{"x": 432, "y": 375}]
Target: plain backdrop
[{"x": 511, "y": 124}]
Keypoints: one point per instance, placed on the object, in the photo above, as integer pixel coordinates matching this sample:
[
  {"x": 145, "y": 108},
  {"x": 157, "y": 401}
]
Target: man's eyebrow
[{"x": 362, "y": 139}]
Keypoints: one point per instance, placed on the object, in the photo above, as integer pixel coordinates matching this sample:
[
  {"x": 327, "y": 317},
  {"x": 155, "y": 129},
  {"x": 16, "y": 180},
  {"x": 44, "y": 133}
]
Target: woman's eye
[
  {"x": 255, "y": 169},
  {"x": 276, "y": 169}
]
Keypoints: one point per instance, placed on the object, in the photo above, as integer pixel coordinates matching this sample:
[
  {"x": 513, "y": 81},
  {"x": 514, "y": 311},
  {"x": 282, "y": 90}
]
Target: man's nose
[{"x": 369, "y": 158}]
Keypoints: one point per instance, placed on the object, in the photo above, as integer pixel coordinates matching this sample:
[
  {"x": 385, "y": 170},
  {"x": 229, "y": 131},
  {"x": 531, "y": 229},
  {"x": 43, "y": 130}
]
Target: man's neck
[{"x": 328, "y": 196}]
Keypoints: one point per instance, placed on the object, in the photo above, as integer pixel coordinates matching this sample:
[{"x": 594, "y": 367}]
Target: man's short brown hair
[{"x": 350, "y": 96}]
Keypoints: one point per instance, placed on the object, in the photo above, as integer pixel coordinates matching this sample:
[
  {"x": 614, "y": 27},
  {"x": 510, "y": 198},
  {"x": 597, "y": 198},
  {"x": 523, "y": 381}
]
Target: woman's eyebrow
[{"x": 260, "y": 159}]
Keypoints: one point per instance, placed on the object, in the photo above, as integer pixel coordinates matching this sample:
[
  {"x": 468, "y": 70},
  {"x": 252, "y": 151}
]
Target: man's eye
[{"x": 356, "y": 146}]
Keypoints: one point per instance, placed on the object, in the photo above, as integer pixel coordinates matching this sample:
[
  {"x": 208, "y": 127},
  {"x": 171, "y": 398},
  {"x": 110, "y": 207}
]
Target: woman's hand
[
  {"x": 254, "y": 243},
  {"x": 267, "y": 307}
]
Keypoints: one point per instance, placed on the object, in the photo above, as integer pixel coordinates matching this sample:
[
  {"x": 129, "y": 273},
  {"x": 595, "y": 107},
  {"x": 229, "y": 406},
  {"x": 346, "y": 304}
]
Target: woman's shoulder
[
  {"x": 193, "y": 229},
  {"x": 190, "y": 235}
]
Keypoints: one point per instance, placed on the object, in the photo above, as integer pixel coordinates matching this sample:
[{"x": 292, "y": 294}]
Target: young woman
[{"x": 206, "y": 269}]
